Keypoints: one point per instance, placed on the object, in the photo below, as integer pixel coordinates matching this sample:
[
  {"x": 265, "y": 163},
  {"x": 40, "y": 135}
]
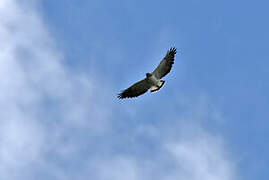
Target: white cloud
[
  {"x": 182, "y": 150},
  {"x": 41, "y": 99},
  {"x": 192, "y": 158},
  {"x": 118, "y": 168},
  {"x": 201, "y": 158}
]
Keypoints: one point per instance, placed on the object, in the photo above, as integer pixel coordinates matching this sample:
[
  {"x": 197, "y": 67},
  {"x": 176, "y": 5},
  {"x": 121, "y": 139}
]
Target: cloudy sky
[{"x": 63, "y": 62}]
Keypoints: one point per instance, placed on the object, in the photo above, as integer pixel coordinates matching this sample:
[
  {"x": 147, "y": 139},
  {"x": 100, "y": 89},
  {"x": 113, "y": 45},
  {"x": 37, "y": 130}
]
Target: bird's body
[
  {"x": 155, "y": 83},
  {"x": 153, "y": 80}
]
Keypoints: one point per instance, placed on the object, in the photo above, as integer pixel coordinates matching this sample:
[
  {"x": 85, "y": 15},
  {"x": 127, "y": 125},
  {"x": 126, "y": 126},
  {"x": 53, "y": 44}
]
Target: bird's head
[{"x": 148, "y": 74}]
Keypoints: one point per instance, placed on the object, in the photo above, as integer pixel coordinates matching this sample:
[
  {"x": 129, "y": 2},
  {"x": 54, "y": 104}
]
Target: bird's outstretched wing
[
  {"x": 166, "y": 64},
  {"x": 135, "y": 90}
]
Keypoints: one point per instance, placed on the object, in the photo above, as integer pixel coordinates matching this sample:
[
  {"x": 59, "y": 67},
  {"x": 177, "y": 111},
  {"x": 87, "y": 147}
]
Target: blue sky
[{"x": 63, "y": 63}]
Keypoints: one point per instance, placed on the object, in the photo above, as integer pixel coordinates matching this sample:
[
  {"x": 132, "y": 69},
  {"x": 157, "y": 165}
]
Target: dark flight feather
[
  {"x": 135, "y": 90},
  {"x": 166, "y": 64}
]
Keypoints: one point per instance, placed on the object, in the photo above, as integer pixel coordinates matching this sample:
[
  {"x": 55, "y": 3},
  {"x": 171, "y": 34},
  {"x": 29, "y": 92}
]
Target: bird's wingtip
[
  {"x": 172, "y": 50},
  {"x": 120, "y": 96}
]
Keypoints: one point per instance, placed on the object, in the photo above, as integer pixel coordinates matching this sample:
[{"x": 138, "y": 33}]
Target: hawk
[{"x": 153, "y": 80}]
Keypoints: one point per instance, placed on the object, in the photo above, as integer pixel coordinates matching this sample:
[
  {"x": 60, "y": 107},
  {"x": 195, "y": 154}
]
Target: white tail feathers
[{"x": 156, "y": 88}]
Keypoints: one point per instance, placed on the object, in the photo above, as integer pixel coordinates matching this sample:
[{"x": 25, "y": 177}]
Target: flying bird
[{"x": 153, "y": 80}]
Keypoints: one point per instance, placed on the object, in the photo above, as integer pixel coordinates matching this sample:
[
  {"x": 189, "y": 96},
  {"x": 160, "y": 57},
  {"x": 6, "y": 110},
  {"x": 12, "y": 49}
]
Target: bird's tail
[{"x": 158, "y": 87}]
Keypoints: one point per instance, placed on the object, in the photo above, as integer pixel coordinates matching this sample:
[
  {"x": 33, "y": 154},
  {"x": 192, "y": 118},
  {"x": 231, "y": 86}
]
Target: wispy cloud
[
  {"x": 202, "y": 157},
  {"x": 56, "y": 123},
  {"x": 182, "y": 149},
  {"x": 41, "y": 99},
  {"x": 189, "y": 159}
]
